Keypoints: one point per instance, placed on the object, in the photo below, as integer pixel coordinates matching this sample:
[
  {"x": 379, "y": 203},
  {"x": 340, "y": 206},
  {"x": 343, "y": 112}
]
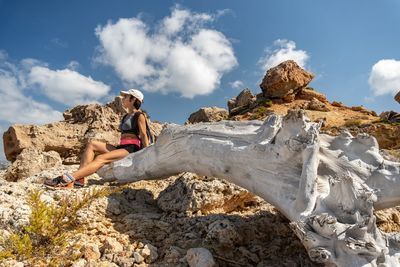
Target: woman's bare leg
[
  {"x": 91, "y": 148},
  {"x": 99, "y": 162}
]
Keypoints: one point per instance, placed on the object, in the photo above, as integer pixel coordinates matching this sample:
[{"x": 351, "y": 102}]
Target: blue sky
[{"x": 189, "y": 54}]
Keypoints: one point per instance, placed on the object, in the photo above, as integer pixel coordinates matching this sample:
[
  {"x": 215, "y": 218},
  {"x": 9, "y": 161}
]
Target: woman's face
[{"x": 126, "y": 101}]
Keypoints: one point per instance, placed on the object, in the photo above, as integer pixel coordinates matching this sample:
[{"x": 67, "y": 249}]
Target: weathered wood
[{"x": 326, "y": 186}]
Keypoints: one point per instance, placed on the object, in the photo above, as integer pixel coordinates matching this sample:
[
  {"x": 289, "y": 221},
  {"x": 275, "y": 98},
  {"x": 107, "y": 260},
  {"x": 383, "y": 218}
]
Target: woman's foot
[
  {"x": 60, "y": 182},
  {"x": 79, "y": 182}
]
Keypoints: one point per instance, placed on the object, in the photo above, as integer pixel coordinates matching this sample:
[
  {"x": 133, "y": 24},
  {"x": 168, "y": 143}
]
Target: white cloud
[
  {"x": 17, "y": 107},
  {"x": 73, "y": 65},
  {"x": 385, "y": 77},
  {"x": 179, "y": 55},
  {"x": 67, "y": 86},
  {"x": 283, "y": 50},
  {"x": 236, "y": 84}
]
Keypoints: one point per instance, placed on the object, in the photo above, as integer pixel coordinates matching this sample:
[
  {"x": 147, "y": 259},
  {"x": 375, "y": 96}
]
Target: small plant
[
  {"x": 268, "y": 103},
  {"x": 45, "y": 241}
]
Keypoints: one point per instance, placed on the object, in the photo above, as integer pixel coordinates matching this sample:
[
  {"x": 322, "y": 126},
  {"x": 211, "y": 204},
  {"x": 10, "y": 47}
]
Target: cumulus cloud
[
  {"x": 237, "y": 84},
  {"x": 283, "y": 50},
  {"x": 179, "y": 54},
  {"x": 15, "y": 105},
  {"x": 385, "y": 77},
  {"x": 67, "y": 86}
]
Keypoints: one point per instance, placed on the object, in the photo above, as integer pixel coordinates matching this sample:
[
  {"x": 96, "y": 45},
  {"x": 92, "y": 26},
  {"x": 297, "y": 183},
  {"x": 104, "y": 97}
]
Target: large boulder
[
  {"x": 285, "y": 79},
  {"x": 397, "y": 97},
  {"x": 208, "y": 114},
  {"x": 30, "y": 162}
]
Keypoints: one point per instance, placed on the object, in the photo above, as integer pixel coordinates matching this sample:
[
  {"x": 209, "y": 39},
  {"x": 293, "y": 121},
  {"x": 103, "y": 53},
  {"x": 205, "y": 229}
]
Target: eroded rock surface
[
  {"x": 208, "y": 114},
  {"x": 129, "y": 227},
  {"x": 285, "y": 79}
]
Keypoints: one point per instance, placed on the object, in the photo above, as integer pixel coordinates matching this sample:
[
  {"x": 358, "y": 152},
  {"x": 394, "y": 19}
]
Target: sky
[{"x": 185, "y": 55}]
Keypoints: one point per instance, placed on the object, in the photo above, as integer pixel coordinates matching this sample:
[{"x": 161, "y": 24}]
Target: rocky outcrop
[
  {"x": 317, "y": 105},
  {"x": 31, "y": 161},
  {"x": 285, "y": 79},
  {"x": 397, "y": 97},
  {"x": 66, "y": 138},
  {"x": 188, "y": 193},
  {"x": 127, "y": 228},
  {"x": 208, "y": 114},
  {"x": 243, "y": 99},
  {"x": 390, "y": 116},
  {"x": 309, "y": 93}
]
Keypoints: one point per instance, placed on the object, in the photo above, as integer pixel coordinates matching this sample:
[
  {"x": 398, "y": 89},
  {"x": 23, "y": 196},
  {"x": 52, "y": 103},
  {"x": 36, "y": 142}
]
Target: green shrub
[
  {"x": 268, "y": 103},
  {"x": 45, "y": 241}
]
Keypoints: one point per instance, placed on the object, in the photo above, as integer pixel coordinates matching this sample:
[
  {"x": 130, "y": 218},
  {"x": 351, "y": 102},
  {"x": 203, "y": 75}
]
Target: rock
[
  {"x": 390, "y": 116},
  {"x": 358, "y": 108},
  {"x": 91, "y": 252},
  {"x": 111, "y": 245},
  {"x": 224, "y": 233},
  {"x": 284, "y": 79},
  {"x": 337, "y": 104},
  {"x": 149, "y": 252},
  {"x": 308, "y": 94},
  {"x": 397, "y": 97},
  {"x": 208, "y": 114},
  {"x": 188, "y": 193},
  {"x": 31, "y": 161},
  {"x": 200, "y": 257},
  {"x": 244, "y": 98},
  {"x": 317, "y": 105},
  {"x": 138, "y": 258},
  {"x": 173, "y": 254},
  {"x": 289, "y": 98},
  {"x": 79, "y": 263}
]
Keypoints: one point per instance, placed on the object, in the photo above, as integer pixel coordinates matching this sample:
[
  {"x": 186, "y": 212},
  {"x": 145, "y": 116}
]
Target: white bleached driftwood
[{"x": 326, "y": 186}]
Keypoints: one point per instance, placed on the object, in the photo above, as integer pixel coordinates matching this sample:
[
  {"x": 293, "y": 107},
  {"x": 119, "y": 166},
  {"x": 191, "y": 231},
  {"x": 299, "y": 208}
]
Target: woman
[{"x": 133, "y": 138}]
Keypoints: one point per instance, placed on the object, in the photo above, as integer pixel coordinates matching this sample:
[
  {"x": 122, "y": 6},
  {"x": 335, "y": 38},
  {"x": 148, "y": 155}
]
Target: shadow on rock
[{"x": 237, "y": 230}]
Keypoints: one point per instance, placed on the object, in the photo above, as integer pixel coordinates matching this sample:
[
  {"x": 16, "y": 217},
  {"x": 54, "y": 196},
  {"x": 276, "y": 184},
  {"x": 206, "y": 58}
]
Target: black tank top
[{"x": 129, "y": 123}]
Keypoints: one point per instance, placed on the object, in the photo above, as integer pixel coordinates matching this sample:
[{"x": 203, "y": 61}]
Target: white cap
[{"x": 134, "y": 92}]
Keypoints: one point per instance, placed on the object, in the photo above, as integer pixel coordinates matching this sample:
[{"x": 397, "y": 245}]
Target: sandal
[
  {"x": 60, "y": 183},
  {"x": 79, "y": 182}
]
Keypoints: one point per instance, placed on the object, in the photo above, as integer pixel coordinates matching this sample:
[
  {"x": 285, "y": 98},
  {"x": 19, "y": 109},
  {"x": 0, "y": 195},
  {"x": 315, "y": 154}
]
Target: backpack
[{"x": 150, "y": 136}]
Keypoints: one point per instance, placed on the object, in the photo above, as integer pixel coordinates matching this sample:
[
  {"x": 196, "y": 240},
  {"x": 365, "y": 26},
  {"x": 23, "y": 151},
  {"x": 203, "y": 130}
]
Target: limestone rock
[
  {"x": 317, "y": 105},
  {"x": 189, "y": 193},
  {"x": 149, "y": 252},
  {"x": 91, "y": 252},
  {"x": 31, "y": 161},
  {"x": 243, "y": 99},
  {"x": 284, "y": 79},
  {"x": 309, "y": 94},
  {"x": 208, "y": 114},
  {"x": 390, "y": 116},
  {"x": 397, "y": 97},
  {"x": 224, "y": 233},
  {"x": 111, "y": 245},
  {"x": 200, "y": 257}
]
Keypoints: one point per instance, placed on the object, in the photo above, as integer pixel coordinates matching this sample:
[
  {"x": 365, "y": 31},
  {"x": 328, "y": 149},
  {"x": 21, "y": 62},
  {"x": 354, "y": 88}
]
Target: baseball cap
[{"x": 134, "y": 92}]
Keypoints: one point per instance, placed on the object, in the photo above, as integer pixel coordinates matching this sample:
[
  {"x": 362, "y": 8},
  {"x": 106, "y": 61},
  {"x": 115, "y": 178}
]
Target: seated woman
[{"x": 133, "y": 138}]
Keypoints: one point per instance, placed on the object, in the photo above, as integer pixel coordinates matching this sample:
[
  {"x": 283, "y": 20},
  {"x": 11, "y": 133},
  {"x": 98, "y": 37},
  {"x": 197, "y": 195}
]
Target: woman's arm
[{"x": 142, "y": 130}]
